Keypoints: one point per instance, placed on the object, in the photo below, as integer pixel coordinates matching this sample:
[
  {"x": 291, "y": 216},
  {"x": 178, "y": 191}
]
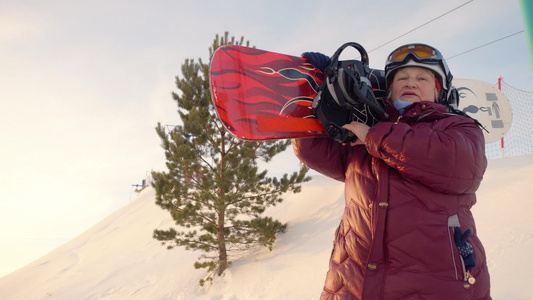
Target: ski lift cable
[
  {"x": 442, "y": 15},
  {"x": 421, "y": 25},
  {"x": 497, "y": 40}
]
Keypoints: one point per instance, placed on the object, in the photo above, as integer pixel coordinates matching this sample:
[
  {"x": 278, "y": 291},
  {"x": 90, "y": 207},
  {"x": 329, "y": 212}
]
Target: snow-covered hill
[{"x": 118, "y": 259}]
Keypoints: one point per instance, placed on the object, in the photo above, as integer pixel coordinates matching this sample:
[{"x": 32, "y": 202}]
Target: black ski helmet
[{"x": 425, "y": 56}]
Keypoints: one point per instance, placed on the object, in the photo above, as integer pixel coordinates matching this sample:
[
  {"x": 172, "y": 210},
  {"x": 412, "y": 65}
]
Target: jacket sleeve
[
  {"x": 322, "y": 155},
  {"x": 447, "y": 155}
]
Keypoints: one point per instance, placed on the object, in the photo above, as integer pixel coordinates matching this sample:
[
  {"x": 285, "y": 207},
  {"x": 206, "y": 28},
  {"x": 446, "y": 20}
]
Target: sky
[{"x": 84, "y": 83}]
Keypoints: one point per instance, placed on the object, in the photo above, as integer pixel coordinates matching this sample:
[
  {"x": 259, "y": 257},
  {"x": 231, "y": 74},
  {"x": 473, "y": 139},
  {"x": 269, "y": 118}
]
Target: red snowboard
[{"x": 261, "y": 95}]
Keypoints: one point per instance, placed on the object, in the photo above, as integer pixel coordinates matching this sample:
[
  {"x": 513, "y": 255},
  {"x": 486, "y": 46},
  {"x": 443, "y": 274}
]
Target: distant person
[{"x": 407, "y": 231}]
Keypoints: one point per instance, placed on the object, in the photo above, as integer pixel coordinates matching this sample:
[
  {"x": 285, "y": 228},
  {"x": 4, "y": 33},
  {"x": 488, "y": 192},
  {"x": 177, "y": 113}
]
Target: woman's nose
[{"x": 411, "y": 82}]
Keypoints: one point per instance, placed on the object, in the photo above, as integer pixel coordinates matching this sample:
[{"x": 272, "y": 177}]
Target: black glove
[
  {"x": 318, "y": 60},
  {"x": 465, "y": 248}
]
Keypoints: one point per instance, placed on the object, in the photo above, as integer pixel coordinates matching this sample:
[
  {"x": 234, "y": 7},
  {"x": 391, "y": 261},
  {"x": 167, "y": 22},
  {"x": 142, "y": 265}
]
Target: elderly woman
[{"x": 407, "y": 231}]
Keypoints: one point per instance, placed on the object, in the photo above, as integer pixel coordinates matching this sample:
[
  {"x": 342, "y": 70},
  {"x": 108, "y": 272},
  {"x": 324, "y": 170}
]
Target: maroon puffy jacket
[{"x": 406, "y": 190}]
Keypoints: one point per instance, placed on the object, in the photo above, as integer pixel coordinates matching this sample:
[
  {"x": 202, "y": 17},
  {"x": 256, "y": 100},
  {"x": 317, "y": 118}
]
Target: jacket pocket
[{"x": 458, "y": 263}]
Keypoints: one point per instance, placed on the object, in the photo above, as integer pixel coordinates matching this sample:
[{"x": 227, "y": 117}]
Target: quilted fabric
[{"x": 406, "y": 190}]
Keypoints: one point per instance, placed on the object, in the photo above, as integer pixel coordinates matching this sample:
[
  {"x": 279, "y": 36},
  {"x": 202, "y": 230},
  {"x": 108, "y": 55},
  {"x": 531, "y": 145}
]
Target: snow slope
[{"x": 118, "y": 259}]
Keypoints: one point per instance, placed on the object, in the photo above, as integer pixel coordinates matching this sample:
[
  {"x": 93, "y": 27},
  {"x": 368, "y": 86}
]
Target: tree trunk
[
  {"x": 221, "y": 239},
  {"x": 222, "y": 252}
]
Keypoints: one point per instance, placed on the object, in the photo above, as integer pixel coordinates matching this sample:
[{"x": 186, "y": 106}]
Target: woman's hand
[{"x": 359, "y": 129}]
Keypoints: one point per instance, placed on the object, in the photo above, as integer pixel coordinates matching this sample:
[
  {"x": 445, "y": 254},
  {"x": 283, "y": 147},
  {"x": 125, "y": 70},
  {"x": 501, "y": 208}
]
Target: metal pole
[{"x": 502, "y": 142}]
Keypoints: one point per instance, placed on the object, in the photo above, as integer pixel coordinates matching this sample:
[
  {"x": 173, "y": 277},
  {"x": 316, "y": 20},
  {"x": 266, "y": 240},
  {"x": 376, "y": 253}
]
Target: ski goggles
[
  {"x": 421, "y": 51},
  {"x": 419, "y": 55}
]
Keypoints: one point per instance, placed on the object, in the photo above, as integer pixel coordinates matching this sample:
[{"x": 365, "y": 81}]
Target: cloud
[{"x": 13, "y": 28}]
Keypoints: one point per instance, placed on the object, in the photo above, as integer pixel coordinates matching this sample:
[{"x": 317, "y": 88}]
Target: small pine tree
[{"x": 213, "y": 189}]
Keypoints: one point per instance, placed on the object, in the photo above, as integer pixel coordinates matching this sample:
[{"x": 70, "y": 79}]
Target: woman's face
[{"x": 414, "y": 84}]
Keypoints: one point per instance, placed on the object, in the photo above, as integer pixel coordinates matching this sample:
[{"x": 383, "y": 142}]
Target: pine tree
[{"x": 213, "y": 189}]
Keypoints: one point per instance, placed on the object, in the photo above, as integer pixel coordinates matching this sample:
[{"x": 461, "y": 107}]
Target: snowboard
[{"x": 263, "y": 95}]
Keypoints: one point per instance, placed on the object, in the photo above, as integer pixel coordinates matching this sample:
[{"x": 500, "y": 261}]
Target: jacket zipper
[{"x": 398, "y": 120}]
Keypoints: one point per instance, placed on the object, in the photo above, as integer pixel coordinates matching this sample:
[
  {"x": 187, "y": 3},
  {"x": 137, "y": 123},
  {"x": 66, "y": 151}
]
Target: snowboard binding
[{"x": 348, "y": 93}]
